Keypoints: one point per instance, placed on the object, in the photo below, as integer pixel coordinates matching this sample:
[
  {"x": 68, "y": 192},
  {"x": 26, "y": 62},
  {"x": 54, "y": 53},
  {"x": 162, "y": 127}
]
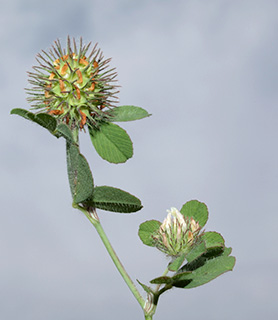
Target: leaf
[
  {"x": 115, "y": 200},
  {"x": 128, "y": 113},
  {"x": 177, "y": 262},
  {"x": 208, "y": 266},
  {"x": 112, "y": 143},
  {"x": 181, "y": 280},
  {"x": 227, "y": 252},
  {"x": 43, "y": 119},
  {"x": 202, "y": 259},
  {"x": 196, "y": 210},
  {"x": 79, "y": 173},
  {"x": 46, "y": 120},
  {"x": 181, "y": 275},
  {"x": 196, "y": 251},
  {"x": 162, "y": 280},
  {"x": 213, "y": 239},
  {"x": 23, "y": 113},
  {"x": 210, "y": 270},
  {"x": 146, "y": 230},
  {"x": 64, "y": 131}
]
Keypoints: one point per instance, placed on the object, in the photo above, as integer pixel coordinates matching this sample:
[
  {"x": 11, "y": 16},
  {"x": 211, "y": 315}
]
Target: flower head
[
  {"x": 176, "y": 233},
  {"x": 74, "y": 85}
]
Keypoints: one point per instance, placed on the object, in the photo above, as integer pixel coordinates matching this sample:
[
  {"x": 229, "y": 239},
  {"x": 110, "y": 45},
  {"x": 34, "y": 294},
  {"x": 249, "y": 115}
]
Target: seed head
[{"x": 74, "y": 85}]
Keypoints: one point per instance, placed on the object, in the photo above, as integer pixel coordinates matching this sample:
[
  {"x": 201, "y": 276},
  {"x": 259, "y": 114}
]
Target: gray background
[{"x": 207, "y": 71}]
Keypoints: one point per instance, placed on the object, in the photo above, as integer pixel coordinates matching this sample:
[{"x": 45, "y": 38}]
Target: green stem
[
  {"x": 92, "y": 216},
  {"x": 147, "y": 317}
]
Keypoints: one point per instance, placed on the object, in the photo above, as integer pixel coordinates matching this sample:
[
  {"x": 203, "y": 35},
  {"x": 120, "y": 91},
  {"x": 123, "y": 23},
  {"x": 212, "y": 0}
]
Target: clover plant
[{"x": 74, "y": 90}]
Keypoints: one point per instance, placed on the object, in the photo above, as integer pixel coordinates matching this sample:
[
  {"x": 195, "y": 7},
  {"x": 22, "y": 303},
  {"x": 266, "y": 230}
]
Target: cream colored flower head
[{"x": 176, "y": 234}]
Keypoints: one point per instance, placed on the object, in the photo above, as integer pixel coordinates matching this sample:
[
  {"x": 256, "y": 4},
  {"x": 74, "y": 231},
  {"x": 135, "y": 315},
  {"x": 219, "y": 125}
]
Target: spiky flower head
[
  {"x": 176, "y": 234},
  {"x": 73, "y": 84}
]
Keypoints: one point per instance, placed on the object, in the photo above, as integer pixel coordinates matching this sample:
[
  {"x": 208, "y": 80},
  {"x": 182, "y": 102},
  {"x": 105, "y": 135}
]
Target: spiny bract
[{"x": 74, "y": 87}]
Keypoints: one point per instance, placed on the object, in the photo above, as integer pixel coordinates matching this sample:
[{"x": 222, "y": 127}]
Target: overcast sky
[{"x": 207, "y": 71}]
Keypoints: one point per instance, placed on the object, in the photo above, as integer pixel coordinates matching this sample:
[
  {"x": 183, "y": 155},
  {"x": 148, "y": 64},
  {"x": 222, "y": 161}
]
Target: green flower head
[{"x": 74, "y": 85}]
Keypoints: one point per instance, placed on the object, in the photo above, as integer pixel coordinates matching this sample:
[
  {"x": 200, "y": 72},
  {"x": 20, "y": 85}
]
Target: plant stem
[
  {"x": 92, "y": 216},
  {"x": 147, "y": 317}
]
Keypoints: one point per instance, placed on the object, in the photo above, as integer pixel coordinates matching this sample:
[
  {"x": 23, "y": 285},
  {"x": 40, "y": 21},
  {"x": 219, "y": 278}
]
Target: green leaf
[
  {"x": 64, "y": 131},
  {"x": 227, "y": 252},
  {"x": 112, "y": 143},
  {"x": 181, "y": 280},
  {"x": 210, "y": 270},
  {"x": 79, "y": 173},
  {"x": 213, "y": 239},
  {"x": 128, "y": 113},
  {"x": 115, "y": 200},
  {"x": 43, "y": 119},
  {"x": 46, "y": 120},
  {"x": 146, "y": 230},
  {"x": 23, "y": 113},
  {"x": 196, "y": 251},
  {"x": 162, "y": 280},
  {"x": 196, "y": 210},
  {"x": 177, "y": 262}
]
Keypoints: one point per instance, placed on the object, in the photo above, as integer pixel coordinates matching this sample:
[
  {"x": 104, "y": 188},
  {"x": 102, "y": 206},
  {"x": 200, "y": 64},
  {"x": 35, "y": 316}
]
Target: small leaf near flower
[
  {"x": 213, "y": 239},
  {"x": 176, "y": 263},
  {"x": 196, "y": 251},
  {"x": 146, "y": 231},
  {"x": 162, "y": 280},
  {"x": 64, "y": 131},
  {"x": 112, "y": 143},
  {"x": 44, "y": 120},
  {"x": 196, "y": 210},
  {"x": 128, "y": 113}
]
